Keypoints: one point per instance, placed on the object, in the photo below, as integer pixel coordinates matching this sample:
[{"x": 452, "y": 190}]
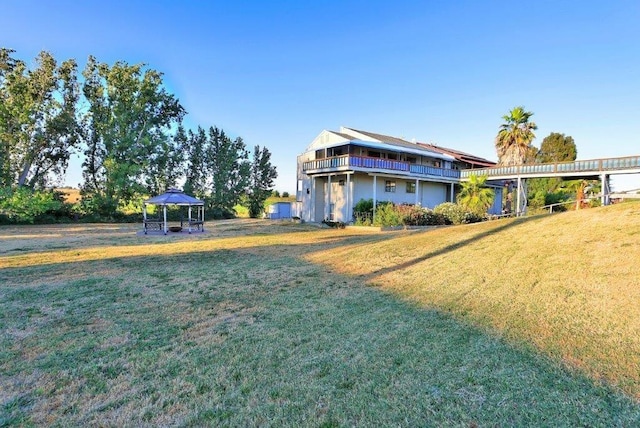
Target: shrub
[
  {"x": 24, "y": 205},
  {"x": 364, "y": 206},
  {"x": 414, "y": 215},
  {"x": 363, "y": 212},
  {"x": 456, "y": 214},
  {"x": 387, "y": 215}
]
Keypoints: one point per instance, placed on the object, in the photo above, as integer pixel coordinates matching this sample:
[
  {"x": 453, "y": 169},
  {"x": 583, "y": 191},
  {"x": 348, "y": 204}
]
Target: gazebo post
[
  {"x": 165, "y": 219},
  {"x": 202, "y": 218},
  {"x": 144, "y": 218},
  {"x": 189, "y": 219}
]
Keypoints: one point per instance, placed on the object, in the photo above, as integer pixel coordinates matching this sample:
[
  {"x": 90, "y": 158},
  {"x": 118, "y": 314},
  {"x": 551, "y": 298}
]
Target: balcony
[{"x": 360, "y": 163}]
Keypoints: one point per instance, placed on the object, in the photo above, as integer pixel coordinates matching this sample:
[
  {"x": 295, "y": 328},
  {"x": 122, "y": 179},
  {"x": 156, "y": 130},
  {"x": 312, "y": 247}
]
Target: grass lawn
[{"x": 530, "y": 322}]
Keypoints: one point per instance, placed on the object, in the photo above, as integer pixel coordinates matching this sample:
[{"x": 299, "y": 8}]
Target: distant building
[{"x": 338, "y": 169}]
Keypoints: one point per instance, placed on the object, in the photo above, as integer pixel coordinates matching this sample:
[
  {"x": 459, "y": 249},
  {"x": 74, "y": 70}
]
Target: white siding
[{"x": 433, "y": 194}]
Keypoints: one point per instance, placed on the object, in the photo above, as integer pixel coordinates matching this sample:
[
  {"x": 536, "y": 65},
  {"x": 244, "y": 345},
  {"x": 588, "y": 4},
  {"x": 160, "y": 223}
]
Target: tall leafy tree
[
  {"x": 129, "y": 117},
  {"x": 228, "y": 171},
  {"x": 261, "y": 181},
  {"x": 195, "y": 170},
  {"x": 474, "y": 194},
  {"x": 557, "y": 147},
  {"x": 166, "y": 165},
  {"x": 216, "y": 169},
  {"x": 38, "y": 126},
  {"x": 513, "y": 142}
]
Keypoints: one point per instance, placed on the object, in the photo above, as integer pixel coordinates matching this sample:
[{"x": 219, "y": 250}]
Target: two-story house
[{"x": 340, "y": 168}]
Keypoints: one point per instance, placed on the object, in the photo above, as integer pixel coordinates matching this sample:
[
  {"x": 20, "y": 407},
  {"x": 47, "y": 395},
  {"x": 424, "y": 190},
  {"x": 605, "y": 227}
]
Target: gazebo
[{"x": 174, "y": 197}]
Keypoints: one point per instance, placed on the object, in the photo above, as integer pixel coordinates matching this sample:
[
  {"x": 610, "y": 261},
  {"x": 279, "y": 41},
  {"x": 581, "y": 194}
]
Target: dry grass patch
[
  {"x": 567, "y": 283},
  {"x": 274, "y": 324}
]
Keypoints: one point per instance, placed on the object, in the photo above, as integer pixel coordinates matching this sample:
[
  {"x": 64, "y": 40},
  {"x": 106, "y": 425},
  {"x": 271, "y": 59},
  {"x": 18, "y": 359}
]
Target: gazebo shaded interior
[{"x": 174, "y": 197}]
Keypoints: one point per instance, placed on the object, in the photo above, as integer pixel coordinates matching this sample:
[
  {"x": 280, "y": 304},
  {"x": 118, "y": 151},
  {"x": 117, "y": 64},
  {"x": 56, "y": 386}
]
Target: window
[
  {"x": 390, "y": 186},
  {"x": 411, "y": 159},
  {"x": 392, "y": 156},
  {"x": 411, "y": 187},
  {"x": 373, "y": 154}
]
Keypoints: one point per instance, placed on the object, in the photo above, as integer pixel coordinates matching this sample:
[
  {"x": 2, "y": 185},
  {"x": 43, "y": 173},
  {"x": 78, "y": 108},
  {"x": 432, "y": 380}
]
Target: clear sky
[{"x": 277, "y": 73}]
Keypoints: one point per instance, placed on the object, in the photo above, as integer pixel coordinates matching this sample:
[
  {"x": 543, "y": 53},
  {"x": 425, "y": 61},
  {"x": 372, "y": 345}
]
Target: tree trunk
[{"x": 25, "y": 172}]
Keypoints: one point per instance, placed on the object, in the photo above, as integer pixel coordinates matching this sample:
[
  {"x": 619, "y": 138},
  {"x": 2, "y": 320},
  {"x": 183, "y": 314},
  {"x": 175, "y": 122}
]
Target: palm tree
[
  {"x": 513, "y": 142},
  {"x": 475, "y": 195}
]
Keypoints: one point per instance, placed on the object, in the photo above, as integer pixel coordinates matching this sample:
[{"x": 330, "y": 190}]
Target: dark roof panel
[
  {"x": 392, "y": 140},
  {"x": 462, "y": 156},
  {"x": 174, "y": 197}
]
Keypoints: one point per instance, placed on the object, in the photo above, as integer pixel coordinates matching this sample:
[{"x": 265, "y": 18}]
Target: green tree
[
  {"x": 513, "y": 142},
  {"x": 38, "y": 126},
  {"x": 261, "y": 180},
  {"x": 195, "y": 171},
  {"x": 216, "y": 170},
  {"x": 557, "y": 148},
  {"x": 227, "y": 171},
  {"x": 474, "y": 195},
  {"x": 129, "y": 116}
]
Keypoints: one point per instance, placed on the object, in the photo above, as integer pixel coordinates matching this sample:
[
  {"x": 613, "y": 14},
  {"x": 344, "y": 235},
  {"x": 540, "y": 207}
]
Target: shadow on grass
[{"x": 450, "y": 248}]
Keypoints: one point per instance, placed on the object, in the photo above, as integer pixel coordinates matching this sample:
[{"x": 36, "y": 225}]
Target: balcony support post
[
  {"x": 349, "y": 216},
  {"x": 375, "y": 197},
  {"x": 327, "y": 210}
]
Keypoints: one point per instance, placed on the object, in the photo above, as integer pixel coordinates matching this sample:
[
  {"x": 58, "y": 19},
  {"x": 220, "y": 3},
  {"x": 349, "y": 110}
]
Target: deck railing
[
  {"x": 378, "y": 164},
  {"x": 594, "y": 165}
]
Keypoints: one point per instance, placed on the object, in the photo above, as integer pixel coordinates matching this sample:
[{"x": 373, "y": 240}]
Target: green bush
[
  {"x": 387, "y": 215},
  {"x": 363, "y": 206},
  {"x": 456, "y": 214},
  {"x": 414, "y": 215},
  {"x": 24, "y": 205}
]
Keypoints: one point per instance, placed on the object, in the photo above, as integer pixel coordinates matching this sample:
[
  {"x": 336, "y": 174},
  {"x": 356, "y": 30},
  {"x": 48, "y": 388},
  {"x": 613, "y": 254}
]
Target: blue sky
[{"x": 279, "y": 72}]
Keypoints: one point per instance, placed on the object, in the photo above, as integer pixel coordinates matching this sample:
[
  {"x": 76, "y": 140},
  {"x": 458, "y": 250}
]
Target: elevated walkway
[{"x": 591, "y": 169}]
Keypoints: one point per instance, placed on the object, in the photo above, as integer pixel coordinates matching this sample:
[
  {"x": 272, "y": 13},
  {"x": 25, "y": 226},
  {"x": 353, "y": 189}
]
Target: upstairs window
[
  {"x": 373, "y": 154},
  {"x": 390, "y": 186},
  {"x": 411, "y": 159}
]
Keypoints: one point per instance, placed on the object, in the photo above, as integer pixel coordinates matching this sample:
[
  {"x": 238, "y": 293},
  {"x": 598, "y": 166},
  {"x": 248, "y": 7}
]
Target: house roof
[
  {"x": 174, "y": 197},
  {"x": 389, "y": 143},
  {"x": 388, "y": 139},
  {"x": 460, "y": 156},
  {"x": 340, "y": 134}
]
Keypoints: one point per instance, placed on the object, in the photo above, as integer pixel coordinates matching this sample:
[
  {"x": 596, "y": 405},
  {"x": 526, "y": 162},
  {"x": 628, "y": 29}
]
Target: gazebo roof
[{"x": 174, "y": 197}]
